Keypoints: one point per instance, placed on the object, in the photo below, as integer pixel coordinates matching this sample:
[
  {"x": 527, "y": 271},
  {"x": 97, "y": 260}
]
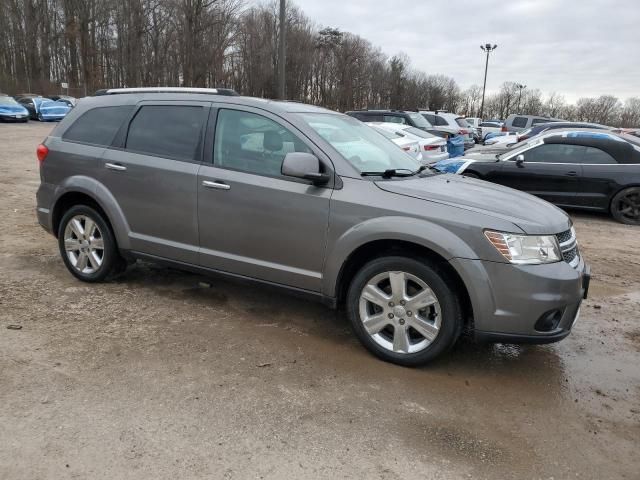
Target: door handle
[
  {"x": 572, "y": 174},
  {"x": 115, "y": 166},
  {"x": 216, "y": 185}
]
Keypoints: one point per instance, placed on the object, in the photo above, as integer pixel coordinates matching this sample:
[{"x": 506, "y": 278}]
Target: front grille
[{"x": 569, "y": 247}]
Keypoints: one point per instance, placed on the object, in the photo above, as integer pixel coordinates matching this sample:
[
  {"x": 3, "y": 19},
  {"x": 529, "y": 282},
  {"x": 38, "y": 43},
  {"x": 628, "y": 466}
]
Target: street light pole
[
  {"x": 486, "y": 48},
  {"x": 520, "y": 87},
  {"x": 283, "y": 52}
]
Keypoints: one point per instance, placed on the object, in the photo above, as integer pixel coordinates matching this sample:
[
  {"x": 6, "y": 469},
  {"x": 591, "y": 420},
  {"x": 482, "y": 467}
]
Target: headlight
[{"x": 525, "y": 249}]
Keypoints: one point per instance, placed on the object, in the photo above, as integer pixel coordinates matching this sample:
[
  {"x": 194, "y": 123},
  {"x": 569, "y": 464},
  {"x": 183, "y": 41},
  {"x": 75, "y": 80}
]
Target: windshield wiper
[{"x": 394, "y": 172}]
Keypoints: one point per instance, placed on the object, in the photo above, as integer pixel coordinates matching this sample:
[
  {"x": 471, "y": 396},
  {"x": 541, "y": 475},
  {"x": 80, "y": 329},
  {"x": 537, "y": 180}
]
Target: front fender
[{"x": 413, "y": 230}]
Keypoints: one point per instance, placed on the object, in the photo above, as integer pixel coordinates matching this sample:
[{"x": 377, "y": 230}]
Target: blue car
[
  {"x": 12, "y": 111},
  {"x": 45, "y": 109}
]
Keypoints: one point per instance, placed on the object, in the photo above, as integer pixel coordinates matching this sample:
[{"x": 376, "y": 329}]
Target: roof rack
[{"x": 206, "y": 91}]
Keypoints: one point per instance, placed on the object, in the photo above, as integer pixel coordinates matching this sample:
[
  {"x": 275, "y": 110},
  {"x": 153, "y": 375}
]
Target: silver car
[{"x": 311, "y": 201}]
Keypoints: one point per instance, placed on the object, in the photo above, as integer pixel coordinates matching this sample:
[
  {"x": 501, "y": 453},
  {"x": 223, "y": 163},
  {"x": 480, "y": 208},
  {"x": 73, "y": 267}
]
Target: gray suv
[{"x": 315, "y": 202}]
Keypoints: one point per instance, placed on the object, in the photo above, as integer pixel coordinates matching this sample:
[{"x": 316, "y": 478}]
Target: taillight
[
  {"x": 42, "y": 151},
  {"x": 406, "y": 149},
  {"x": 463, "y": 132},
  {"x": 504, "y": 129},
  {"x": 431, "y": 147}
]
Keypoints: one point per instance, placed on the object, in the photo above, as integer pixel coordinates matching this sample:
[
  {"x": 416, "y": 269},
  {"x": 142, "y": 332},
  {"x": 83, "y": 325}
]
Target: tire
[
  {"x": 99, "y": 241},
  {"x": 40, "y": 119},
  {"x": 625, "y": 206},
  {"x": 408, "y": 348}
]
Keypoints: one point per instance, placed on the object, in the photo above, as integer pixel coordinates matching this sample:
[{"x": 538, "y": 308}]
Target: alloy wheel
[
  {"x": 628, "y": 206},
  {"x": 84, "y": 244},
  {"x": 400, "y": 312}
]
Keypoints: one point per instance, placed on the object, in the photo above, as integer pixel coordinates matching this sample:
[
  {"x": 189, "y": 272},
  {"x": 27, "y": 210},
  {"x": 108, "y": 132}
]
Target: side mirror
[
  {"x": 304, "y": 165},
  {"x": 520, "y": 160}
]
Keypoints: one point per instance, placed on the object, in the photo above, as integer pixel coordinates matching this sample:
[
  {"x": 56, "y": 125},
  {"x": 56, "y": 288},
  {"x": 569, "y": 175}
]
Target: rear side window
[
  {"x": 173, "y": 131},
  {"x": 98, "y": 126},
  {"x": 394, "y": 119},
  {"x": 430, "y": 117},
  {"x": 462, "y": 122},
  {"x": 519, "y": 122},
  {"x": 440, "y": 121},
  {"x": 595, "y": 156}
]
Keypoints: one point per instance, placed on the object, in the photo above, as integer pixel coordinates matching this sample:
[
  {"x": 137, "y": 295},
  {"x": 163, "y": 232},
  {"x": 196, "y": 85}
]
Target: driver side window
[
  {"x": 252, "y": 143},
  {"x": 554, "y": 153}
]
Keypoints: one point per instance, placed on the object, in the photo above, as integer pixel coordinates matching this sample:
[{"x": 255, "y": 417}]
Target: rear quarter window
[{"x": 98, "y": 126}]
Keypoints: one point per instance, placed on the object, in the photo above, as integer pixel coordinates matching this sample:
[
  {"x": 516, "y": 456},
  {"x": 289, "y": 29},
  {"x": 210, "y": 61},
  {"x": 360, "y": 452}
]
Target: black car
[
  {"x": 586, "y": 169},
  {"x": 543, "y": 127},
  {"x": 397, "y": 116}
]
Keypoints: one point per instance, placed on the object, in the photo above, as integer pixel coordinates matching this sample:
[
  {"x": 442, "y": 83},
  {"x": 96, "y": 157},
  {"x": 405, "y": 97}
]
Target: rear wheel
[
  {"x": 403, "y": 310},
  {"x": 625, "y": 206},
  {"x": 87, "y": 245}
]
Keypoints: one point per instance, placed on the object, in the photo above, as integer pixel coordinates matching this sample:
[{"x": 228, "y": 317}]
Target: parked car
[
  {"x": 433, "y": 148},
  {"x": 504, "y": 139},
  {"x": 312, "y": 201},
  {"x": 45, "y": 109},
  {"x": 519, "y": 123},
  {"x": 451, "y": 123},
  {"x": 413, "y": 119},
  {"x": 487, "y": 128},
  {"x": 71, "y": 101},
  {"x": 409, "y": 145},
  {"x": 12, "y": 111},
  {"x": 576, "y": 168},
  {"x": 544, "y": 127}
]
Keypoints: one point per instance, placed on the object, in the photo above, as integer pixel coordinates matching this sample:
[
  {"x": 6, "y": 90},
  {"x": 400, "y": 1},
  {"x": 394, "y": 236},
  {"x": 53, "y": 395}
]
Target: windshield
[
  {"x": 359, "y": 144},
  {"x": 419, "y": 120},
  {"x": 7, "y": 101},
  {"x": 518, "y": 147}
]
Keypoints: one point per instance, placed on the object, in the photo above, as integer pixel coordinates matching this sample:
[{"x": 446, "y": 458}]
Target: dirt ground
[{"x": 160, "y": 375}]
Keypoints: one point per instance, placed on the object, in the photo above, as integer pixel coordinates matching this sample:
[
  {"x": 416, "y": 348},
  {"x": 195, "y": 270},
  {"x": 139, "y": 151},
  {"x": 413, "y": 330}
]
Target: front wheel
[
  {"x": 87, "y": 245},
  {"x": 403, "y": 310},
  {"x": 625, "y": 206},
  {"x": 40, "y": 118}
]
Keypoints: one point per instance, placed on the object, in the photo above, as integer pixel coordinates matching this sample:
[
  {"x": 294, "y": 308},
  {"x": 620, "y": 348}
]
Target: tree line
[{"x": 92, "y": 44}]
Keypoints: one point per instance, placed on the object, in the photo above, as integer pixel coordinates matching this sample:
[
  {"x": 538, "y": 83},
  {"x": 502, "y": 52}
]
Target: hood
[
  {"x": 13, "y": 109},
  {"x": 531, "y": 214}
]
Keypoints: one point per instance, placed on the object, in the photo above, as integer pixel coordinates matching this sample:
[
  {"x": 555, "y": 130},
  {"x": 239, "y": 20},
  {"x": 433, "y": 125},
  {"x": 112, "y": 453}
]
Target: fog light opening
[{"x": 549, "y": 321}]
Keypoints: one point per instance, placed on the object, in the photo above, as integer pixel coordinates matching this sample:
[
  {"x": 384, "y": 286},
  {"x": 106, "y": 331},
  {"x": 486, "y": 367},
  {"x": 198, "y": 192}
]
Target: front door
[
  {"x": 254, "y": 221},
  {"x": 153, "y": 178},
  {"x": 547, "y": 172}
]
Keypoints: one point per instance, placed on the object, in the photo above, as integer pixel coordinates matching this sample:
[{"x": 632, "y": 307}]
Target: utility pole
[
  {"x": 520, "y": 87},
  {"x": 283, "y": 52},
  {"x": 486, "y": 48}
]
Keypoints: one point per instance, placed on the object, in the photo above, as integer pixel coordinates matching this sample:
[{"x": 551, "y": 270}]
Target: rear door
[
  {"x": 254, "y": 221},
  {"x": 153, "y": 176},
  {"x": 550, "y": 171}
]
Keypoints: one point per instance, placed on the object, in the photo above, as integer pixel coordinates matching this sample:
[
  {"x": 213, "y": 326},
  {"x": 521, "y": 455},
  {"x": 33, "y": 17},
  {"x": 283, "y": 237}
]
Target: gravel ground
[{"x": 160, "y": 375}]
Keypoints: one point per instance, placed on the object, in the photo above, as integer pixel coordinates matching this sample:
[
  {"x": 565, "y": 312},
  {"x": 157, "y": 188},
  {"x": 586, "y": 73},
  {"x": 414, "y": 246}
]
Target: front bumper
[
  {"x": 14, "y": 117},
  {"x": 509, "y": 300}
]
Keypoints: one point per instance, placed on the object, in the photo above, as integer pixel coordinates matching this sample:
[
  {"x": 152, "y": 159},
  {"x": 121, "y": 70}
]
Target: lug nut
[
  {"x": 391, "y": 304},
  {"x": 409, "y": 313},
  {"x": 402, "y": 302},
  {"x": 391, "y": 315},
  {"x": 401, "y": 321}
]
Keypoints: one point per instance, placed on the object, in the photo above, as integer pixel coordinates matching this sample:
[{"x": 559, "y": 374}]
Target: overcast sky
[{"x": 573, "y": 47}]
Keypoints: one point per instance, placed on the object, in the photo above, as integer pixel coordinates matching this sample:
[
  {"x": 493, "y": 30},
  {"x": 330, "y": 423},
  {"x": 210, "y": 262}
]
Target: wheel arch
[
  {"x": 87, "y": 191},
  {"x": 394, "y": 247}
]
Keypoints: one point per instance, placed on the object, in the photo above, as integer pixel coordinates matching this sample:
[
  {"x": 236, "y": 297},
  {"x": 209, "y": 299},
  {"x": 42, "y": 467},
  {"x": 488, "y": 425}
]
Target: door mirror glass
[
  {"x": 303, "y": 165},
  {"x": 520, "y": 160}
]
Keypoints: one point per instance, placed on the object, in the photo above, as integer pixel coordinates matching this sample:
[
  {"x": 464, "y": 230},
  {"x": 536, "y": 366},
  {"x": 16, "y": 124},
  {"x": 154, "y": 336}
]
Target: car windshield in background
[
  {"x": 359, "y": 144},
  {"x": 462, "y": 122},
  {"x": 418, "y": 133},
  {"x": 7, "y": 101}
]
